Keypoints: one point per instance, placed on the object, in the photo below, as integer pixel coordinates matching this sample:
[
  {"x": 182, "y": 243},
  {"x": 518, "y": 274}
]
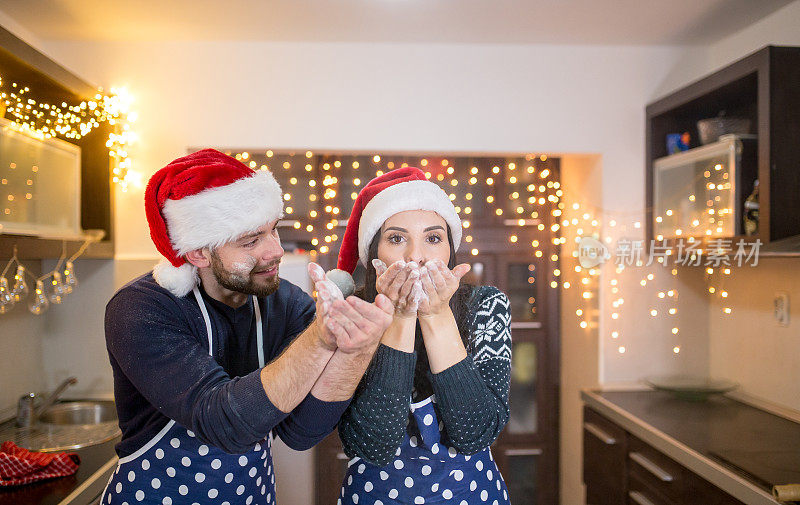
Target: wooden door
[{"x": 527, "y": 450}]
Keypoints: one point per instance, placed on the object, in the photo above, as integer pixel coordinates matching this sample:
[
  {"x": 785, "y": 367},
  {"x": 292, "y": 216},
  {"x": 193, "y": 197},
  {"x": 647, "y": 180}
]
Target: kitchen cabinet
[
  {"x": 51, "y": 83},
  {"x": 621, "y": 469},
  {"x": 711, "y": 451},
  {"x": 699, "y": 192},
  {"x": 762, "y": 89},
  {"x": 604, "y": 450},
  {"x": 655, "y": 475}
]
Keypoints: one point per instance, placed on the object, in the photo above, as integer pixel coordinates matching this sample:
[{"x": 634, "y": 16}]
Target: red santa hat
[
  {"x": 205, "y": 199},
  {"x": 396, "y": 191}
]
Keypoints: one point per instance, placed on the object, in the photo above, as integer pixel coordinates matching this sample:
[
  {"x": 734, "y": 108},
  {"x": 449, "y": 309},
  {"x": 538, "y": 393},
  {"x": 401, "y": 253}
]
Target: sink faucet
[{"x": 27, "y": 414}]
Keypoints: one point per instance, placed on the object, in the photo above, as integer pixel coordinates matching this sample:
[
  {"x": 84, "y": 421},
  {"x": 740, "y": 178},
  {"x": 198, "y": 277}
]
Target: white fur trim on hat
[
  {"x": 177, "y": 280},
  {"x": 400, "y": 197},
  {"x": 219, "y": 215}
]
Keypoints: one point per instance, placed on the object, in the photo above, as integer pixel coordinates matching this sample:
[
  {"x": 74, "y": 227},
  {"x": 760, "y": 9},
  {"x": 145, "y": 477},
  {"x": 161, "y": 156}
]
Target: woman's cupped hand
[{"x": 418, "y": 290}]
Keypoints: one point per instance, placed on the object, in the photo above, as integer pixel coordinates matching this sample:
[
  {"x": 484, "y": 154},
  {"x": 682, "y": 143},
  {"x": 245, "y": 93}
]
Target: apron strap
[
  {"x": 207, "y": 319},
  {"x": 259, "y": 332}
]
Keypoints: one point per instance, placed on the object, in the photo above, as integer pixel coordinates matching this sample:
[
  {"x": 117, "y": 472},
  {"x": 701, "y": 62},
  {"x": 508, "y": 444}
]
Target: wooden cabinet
[
  {"x": 655, "y": 471},
  {"x": 761, "y": 88},
  {"x": 604, "y": 470},
  {"x": 619, "y": 468},
  {"x": 51, "y": 83}
]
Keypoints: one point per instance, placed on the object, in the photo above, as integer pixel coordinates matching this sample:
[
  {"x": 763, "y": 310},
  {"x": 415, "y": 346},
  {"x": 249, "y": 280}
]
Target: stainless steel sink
[
  {"x": 80, "y": 412},
  {"x": 67, "y": 425}
]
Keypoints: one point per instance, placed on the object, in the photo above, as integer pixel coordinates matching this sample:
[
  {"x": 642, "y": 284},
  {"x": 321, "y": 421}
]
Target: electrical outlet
[{"x": 781, "y": 305}]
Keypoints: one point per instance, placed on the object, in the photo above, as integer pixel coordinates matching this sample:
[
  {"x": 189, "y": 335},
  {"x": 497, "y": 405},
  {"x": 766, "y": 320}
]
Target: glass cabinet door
[
  {"x": 522, "y": 394},
  {"x": 520, "y": 473},
  {"x": 697, "y": 193},
  {"x": 522, "y": 286},
  {"x": 521, "y": 279}
]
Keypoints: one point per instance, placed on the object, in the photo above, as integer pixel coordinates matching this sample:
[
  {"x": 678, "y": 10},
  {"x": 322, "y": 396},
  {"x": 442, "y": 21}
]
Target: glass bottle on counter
[{"x": 750, "y": 214}]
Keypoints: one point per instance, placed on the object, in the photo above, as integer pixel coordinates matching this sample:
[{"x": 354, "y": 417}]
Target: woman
[{"x": 448, "y": 350}]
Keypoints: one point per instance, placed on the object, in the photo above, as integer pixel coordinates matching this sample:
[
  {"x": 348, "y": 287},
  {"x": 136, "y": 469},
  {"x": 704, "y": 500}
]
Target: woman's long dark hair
[{"x": 459, "y": 304}]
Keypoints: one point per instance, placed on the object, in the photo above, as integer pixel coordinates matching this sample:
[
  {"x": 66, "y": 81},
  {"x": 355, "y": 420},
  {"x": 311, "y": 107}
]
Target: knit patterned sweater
[{"x": 471, "y": 396}]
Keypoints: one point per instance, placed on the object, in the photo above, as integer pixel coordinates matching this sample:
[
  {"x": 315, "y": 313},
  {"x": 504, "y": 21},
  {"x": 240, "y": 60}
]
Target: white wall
[
  {"x": 21, "y": 335},
  {"x": 748, "y": 345},
  {"x": 73, "y": 342},
  {"x": 779, "y": 28},
  {"x": 782, "y": 28},
  {"x": 580, "y": 348}
]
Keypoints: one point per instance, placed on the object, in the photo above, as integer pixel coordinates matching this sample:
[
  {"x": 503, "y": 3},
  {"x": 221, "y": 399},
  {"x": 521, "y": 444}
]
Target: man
[{"x": 212, "y": 353}]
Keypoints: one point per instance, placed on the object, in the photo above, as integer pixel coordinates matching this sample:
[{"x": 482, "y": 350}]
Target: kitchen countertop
[
  {"x": 695, "y": 433},
  {"x": 94, "y": 459}
]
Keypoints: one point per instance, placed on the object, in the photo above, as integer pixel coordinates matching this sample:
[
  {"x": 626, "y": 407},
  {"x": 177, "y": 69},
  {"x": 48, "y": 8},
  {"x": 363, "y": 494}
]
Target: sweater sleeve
[
  {"x": 152, "y": 342},
  {"x": 313, "y": 419},
  {"x": 373, "y": 426},
  {"x": 472, "y": 395},
  {"x": 310, "y": 422}
]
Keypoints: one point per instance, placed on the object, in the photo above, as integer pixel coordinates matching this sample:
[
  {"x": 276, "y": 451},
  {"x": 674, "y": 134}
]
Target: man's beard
[{"x": 242, "y": 283}]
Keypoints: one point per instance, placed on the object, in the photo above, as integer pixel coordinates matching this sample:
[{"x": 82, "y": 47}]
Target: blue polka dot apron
[
  {"x": 425, "y": 471},
  {"x": 175, "y": 468}
]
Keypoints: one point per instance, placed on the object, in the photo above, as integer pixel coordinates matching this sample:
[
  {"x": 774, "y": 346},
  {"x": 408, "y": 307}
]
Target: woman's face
[{"x": 414, "y": 235}]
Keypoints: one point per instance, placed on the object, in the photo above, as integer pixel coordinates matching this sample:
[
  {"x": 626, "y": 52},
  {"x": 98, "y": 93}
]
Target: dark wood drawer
[
  {"x": 669, "y": 480},
  {"x": 656, "y": 470},
  {"x": 604, "y": 449},
  {"x": 640, "y": 493},
  {"x": 592, "y": 418}
]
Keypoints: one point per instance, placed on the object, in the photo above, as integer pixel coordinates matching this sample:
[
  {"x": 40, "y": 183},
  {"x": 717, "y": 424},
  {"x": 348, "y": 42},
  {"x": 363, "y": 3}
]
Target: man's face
[{"x": 249, "y": 264}]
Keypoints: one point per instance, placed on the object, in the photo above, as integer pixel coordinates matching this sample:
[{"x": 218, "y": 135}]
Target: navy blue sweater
[{"x": 158, "y": 347}]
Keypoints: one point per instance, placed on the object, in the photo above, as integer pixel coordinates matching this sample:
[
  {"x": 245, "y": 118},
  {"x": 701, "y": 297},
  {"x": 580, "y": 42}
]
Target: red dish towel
[{"x": 20, "y": 466}]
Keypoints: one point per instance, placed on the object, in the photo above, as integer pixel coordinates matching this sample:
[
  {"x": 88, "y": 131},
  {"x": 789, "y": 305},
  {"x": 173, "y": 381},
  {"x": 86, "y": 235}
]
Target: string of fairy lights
[
  {"x": 49, "y": 288},
  {"x": 72, "y": 122},
  {"x": 317, "y": 187},
  {"x": 523, "y": 204},
  {"x": 658, "y": 292}
]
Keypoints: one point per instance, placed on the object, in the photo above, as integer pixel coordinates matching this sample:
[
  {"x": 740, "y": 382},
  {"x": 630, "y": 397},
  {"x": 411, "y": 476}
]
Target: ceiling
[{"x": 609, "y": 22}]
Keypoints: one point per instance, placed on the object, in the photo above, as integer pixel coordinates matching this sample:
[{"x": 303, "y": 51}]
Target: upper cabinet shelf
[{"x": 702, "y": 192}]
